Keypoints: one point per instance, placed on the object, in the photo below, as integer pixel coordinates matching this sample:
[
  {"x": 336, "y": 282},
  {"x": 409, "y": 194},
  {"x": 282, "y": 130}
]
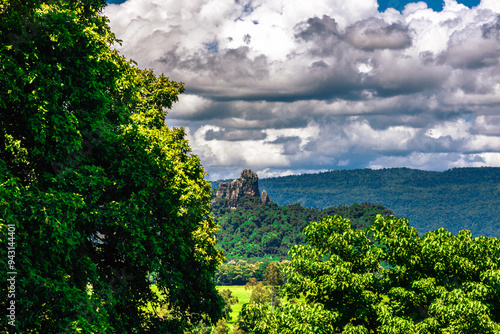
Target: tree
[
  {"x": 97, "y": 195},
  {"x": 229, "y": 300},
  {"x": 222, "y": 327},
  {"x": 274, "y": 279},
  {"x": 437, "y": 283},
  {"x": 260, "y": 292}
]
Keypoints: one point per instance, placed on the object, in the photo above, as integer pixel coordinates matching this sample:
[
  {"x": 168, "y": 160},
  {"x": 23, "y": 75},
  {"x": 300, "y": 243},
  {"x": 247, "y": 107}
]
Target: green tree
[
  {"x": 96, "y": 193},
  {"x": 274, "y": 279},
  {"x": 437, "y": 283},
  {"x": 222, "y": 327},
  {"x": 260, "y": 293},
  {"x": 229, "y": 300}
]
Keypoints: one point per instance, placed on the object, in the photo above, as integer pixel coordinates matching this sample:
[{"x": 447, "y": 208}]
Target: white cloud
[
  {"x": 361, "y": 135},
  {"x": 459, "y": 129},
  {"x": 253, "y": 153},
  {"x": 437, "y": 161},
  {"x": 480, "y": 143},
  {"x": 282, "y": 86},
  {"x": 189, "y": 105},
  {"x": 487, "y": 125}
]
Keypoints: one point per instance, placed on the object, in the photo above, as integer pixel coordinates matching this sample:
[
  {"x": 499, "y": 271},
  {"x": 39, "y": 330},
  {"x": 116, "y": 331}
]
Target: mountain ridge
[{"x": 456, "y": 199}]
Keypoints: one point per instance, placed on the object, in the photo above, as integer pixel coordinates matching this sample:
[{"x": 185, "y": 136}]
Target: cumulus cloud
[
  {"x": 375, "y": 33},
  {"x": 286, "y": 86},
  {"x": 317, "y": 29},
  {"x": 473, "y": 47}
]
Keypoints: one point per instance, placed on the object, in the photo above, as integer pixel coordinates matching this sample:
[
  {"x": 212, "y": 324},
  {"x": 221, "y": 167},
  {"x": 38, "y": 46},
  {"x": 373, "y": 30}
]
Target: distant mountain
[
  {"x": 255, "y": 227},
  {"x": 456, "y": 199}
]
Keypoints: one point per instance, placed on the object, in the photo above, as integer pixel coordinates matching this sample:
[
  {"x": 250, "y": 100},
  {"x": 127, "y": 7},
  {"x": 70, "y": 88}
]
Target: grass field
[
  {"x": 243, "y": 296},
  {"x": 237, "y": 291}
]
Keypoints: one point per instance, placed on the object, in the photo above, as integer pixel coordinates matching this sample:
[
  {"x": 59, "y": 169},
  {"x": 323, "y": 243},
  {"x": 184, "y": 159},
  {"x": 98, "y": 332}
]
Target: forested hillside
[
  {"x": 256, "y": 229},
  {"x": 460, "y": 198}
]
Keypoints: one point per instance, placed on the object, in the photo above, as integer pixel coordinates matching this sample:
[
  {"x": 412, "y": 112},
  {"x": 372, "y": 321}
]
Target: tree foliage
[
  {"x": 240, "y": 272},
  {"x": 229, "y": 300},
  {"x": 101, "y": 193},
  {"x": 261, "y": 293},
  {"x": 386, "y": 279},
  {"x": 274, "y": 279}
]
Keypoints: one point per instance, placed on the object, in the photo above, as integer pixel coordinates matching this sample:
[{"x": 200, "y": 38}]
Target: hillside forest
[{"x": 455, "y": 199}]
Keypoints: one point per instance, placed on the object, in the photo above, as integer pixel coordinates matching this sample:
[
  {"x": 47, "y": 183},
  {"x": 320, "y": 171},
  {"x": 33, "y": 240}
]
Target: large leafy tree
[
  {"x": 101, "y": 198},
  {"x": 274, "y": 279},
  {"x": 386, "y": 279}
]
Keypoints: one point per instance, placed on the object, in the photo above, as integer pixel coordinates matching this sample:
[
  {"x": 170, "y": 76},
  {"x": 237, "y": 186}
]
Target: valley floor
[{"x": 243, "y": 296}]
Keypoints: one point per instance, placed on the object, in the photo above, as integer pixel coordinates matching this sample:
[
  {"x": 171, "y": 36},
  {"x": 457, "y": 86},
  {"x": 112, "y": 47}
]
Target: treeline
[
  {"x": 255, "y": 230},
  {"x": 240, "y": 272},
  {"x": 456, "y": 199}
]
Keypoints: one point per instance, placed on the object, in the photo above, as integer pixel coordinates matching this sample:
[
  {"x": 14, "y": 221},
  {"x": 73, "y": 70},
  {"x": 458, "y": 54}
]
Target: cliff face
[{"x": 246, "y": 185}]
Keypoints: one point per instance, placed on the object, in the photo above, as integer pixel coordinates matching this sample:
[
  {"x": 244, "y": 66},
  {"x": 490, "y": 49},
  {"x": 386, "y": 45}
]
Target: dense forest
[
  {"x": 255, "y": 230},
  {"x": 456, "y": 199}
]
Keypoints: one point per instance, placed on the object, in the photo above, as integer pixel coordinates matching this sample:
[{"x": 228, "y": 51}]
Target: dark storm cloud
[
  {"x": 423, "y": 143},
  {"x": 244, "y": 114},
  {"x": 283, "y": 122},
  {"x": 207, "y": 112},
  {"x": 319, "y": 65},
  {"x": 409, "y": 78},
  {"x": 492, "y": 30},
  {"x": 427, "y": 57}
]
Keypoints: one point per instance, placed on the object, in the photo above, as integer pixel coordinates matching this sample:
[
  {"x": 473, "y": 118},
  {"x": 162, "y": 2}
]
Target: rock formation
[
  {"x": 265, "y": 197},
  {"x": 246, "y": 185}
]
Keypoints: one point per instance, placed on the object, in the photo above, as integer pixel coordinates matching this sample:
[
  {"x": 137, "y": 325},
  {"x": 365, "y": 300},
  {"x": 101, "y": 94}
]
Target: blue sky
[
  {"x": 287, "y": 87},
  {"x": 437, "y": 5}
]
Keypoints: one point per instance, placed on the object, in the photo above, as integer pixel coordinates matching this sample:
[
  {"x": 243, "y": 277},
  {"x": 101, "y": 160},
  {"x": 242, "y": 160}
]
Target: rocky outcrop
[
  {"x": 246, "y": 185},
  {"x": 265, "y": 197}
]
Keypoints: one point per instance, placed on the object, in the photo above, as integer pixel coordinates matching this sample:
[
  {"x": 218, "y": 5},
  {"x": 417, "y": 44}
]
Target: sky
[{"x": 290, "y": 86}]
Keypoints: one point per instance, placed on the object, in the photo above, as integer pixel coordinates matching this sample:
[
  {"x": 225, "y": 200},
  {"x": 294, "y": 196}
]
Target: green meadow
[
  {"x": 237, "y": 291},
  {"x": 243, "y": 296}
]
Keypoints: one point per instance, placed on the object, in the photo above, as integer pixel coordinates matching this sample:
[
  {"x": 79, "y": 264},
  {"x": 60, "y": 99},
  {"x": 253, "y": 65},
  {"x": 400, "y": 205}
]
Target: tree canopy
[
  {"x": 100, "y": 196},
  {"x": 386, "y": 279}
]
